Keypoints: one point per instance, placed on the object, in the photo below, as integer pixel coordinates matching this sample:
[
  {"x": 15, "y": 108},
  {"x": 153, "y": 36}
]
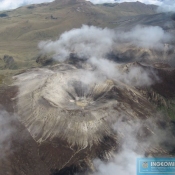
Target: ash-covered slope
[
  {"x": 71, "y": 117},
  {"x": 62, "y": 104}
]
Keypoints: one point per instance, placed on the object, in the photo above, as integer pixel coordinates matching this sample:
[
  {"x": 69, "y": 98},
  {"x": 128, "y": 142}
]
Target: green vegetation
[
  {"x": 109, "y": 5},
  {"x": 2, "y": 15},
  {"x": 1, "y": 79},
  {"x": 170, "y": 110}
]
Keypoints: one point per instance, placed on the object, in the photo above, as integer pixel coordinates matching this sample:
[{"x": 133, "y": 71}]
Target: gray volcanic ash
[{"x": 64, "y": 107}]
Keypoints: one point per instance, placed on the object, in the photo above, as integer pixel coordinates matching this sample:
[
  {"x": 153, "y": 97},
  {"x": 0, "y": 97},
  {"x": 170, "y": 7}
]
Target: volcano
[
  {"x": 75, "y": 100},
  {"x": 70, "y": 117}
]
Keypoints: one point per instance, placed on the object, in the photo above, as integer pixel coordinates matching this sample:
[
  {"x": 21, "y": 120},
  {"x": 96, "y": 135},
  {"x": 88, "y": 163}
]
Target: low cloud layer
[
  {"x": 132, "y": 76},
  {"x": 11, "y": 4},
  {"x": 167, "y": 6},
  {"x": 93, "y": 45},
  {"x": 150, "y": 37},
  {"x": 124, "y": 162},
  {"x": 85, "y": 42},
  {"x": 97, "y": 42},
  {"x": 133, "y": 147},
  {"x": 88, "y": 42}
]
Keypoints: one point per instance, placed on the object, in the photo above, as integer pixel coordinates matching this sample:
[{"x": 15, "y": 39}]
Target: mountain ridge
[{"x": 23, "y": 28}]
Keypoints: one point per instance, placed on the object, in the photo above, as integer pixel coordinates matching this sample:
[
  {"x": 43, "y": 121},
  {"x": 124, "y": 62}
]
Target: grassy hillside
[{"x": 23, "y": 28}]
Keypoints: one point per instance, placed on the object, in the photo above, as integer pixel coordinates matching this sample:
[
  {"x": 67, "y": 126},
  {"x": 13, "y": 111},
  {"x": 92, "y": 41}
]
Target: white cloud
[
  {"x": 95, "y": 44},
  {"x": 7, "y": 129},
  {"x": 167, "y": 6},
  {"x": 123, "y": 163},
  {"x": 132, "y": 147},
  {"x": 13, "y": 4},
  {"x": 150, "y": 37},
  {"x": 135, "y": 76},
  {"x": 88, "y": 42}
]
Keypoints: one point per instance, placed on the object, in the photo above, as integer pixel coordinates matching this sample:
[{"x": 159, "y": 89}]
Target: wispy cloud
[
  {"x": 7, "y": 129},
  {"x": 88, "y": 42},
  {"x": 94, "y": 44},
  {"x": 133, "y": 147},
  {"x": 149, "y": 37}
]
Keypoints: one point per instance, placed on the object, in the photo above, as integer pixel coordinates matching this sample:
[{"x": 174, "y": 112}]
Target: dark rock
[
  {"x": 8, "y": 59},
  {"x": 31, "y": 7},
  {"x": 109, "y": 5},
  {"x": 173, "y": 16},
  {"x": 2, "y": 15},
  {"x": 9, "y": 62},
  {"x": 52, "y": 17},
  {"x": 44, "y": 60}
]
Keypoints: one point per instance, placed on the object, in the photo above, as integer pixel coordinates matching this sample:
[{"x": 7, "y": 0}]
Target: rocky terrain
[
  {"x": 62, "y": 130},
  {"x": 70, "y": 100}
]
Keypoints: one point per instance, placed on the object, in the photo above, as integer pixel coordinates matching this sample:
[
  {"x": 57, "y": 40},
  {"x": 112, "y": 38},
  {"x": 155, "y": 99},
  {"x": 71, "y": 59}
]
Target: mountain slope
[{"x": 23, "y": 28}]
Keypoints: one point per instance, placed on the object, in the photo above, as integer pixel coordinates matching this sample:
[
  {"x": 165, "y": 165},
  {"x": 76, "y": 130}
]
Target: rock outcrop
[{"x": 9, "y": 62}]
